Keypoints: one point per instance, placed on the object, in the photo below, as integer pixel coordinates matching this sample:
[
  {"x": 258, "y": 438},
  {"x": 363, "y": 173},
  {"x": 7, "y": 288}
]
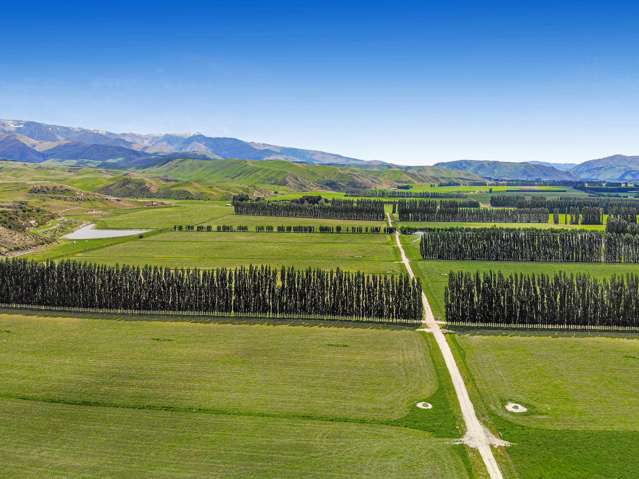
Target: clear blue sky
[{"x": 411, "y": 82}]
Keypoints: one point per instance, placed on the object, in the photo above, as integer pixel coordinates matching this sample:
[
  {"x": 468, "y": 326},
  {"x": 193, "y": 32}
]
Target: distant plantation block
[{"x": 313, "y": 207}]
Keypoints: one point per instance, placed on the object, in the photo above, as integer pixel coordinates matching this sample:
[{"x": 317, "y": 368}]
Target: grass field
[
  {"x": 583, "y": 418},
  {"x": 83, "y": 397},
  {"x": 434, "y": 274},
  {"x": 373, "y": 253},
  {"x": 459, "y": 224},
  {"x": 206, "y": 213},
  {"x": 176, "y": 212}
]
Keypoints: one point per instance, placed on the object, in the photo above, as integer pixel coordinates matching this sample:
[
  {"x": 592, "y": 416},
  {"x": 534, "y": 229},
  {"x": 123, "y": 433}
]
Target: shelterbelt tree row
[
  {"x": 259, "y": 290},
  {"x": 561, "y": 299},
  {"x": 501, "y": 244},
  {"x": 444, "y": 211},
  {"x": 312, "y": 207}
]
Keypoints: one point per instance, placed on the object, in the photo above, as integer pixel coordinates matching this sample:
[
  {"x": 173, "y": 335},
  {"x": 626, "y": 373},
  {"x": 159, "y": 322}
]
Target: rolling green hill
[
  {"x": 299, "y": 177},
  {"x": 217, "y": 179}
]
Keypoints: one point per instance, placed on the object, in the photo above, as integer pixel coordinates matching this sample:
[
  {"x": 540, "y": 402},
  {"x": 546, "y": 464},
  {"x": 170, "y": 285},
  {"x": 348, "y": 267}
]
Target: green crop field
[
  {"x": 99, "y": 397},
  {"x": 434, "y": 274},
  {"x": 580, "y": 391},
  {"x": 460, "y": 224},
  {"x": 206, "y": 213},
  {"x": 175, "y": 212},
  {"x": 373, "y": 253},
  {"x": 251, "y": 221}
]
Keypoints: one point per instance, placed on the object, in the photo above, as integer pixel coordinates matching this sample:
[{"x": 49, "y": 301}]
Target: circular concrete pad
[
  {"x": 516, "y": 408},
  {"x": 424, "y": 405}
]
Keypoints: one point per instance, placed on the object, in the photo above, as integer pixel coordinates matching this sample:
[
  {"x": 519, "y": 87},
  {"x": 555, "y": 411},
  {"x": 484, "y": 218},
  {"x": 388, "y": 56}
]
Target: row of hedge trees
[
  {"x": 564, "y": 204},
  {"x": 539, "y": 299},
  {"x": 416, "y": 208},
  {"x": 253, "y": 290},
  {"x": 211, "y": 228},
  {"x": 369, "y": 210},
  {"x": 498, "y": 244},
  {"x": 447, "y": 211},
  {"x": 618, "y": 224},
  {"x": 286, "y": 229},
  {"x": 405, "y": 194}
]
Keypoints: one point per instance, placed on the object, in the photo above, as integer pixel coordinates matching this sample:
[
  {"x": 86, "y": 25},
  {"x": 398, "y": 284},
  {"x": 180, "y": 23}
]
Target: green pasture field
[
  {"x": 206, "y": 213},
  {"x": 581, "y": 395},
  {"x": 459, "y": 224},
  {"x": 252, "y": 221},
  {"x": 67, "y": 249},
  {"x": 175, "y": 212},
  {"x": 371, "y": 253},
  {"x": 87, "y": 397},
  {"x": 434, "y": 273}
]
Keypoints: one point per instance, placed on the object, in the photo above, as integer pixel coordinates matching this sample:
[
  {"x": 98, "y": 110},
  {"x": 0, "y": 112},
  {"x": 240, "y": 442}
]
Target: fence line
[
  {"x": 211, "y": 314},
  {"x": 566, "y": 327}
]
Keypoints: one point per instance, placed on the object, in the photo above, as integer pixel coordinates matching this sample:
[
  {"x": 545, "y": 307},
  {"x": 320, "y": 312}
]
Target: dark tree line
[
  {"x": 369, "y": 210},
  {"x": 416, "y": 207},
  {"x": 261, "y": 290},
  {"x": 621, "y": 248},
  {"x": 286, "y": 229},
  {"x": 618, "y": 224},
  {"x": 498, "y": 244},
  {"x": 576, "y": 211},
  {"x": 326, "y": 229},
  {"x": 564, "y": 204},
  {"x": 452, "y": 211},
  {"x": 539, "y": 299},
  {"x": 406, "y": 194},
  {"x": 210, "y": 228}
]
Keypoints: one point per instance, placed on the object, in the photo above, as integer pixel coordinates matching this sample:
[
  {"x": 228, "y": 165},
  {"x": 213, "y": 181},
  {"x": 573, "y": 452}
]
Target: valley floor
[{"x": 89, "y": 397}]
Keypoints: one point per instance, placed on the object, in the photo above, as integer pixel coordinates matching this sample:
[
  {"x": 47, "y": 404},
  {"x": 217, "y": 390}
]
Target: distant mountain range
[
  {"x": 558, "y": 166},
  {"x": 34, "y": 142},
  {"x": 612, "y": 168},
  {"x": 501, "y": 170}
]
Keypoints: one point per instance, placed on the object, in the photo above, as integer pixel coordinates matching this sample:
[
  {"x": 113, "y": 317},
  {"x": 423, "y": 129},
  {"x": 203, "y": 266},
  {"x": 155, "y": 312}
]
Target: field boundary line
[
  {"x": 203, "y": 315},
  {"x": 211, "y": 411},
  {"x": 477, "y": 435},
  {"x": 545, "y": 327}
]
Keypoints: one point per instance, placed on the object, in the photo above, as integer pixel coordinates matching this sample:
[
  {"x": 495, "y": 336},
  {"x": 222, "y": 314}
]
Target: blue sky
[{"x": 410, "y": 82}]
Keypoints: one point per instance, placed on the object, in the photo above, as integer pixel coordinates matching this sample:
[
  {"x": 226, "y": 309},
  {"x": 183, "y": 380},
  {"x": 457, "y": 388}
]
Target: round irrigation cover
[{"x": 516, "y": 408}]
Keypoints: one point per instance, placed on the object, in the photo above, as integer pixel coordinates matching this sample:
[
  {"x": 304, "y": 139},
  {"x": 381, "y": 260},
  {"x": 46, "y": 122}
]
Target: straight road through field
[{"x": 477, "y": 436}]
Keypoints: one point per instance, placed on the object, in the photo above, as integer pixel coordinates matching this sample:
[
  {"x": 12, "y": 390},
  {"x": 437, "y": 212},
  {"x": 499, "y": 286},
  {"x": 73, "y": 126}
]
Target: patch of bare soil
[{"x": 16, "y": 240}]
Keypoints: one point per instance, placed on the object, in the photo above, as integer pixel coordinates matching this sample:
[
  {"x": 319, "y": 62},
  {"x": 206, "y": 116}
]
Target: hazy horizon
[{"x": 406, "y": 84}]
